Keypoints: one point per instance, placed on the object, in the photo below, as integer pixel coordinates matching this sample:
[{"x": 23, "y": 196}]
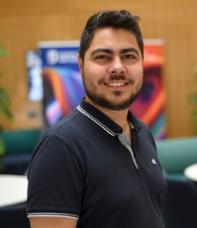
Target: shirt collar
[{"x": 104, "y": 121}]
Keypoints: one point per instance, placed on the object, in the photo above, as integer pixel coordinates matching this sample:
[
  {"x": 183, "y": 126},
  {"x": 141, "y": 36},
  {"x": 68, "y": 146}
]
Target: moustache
[{"x": 116, "y": 77}]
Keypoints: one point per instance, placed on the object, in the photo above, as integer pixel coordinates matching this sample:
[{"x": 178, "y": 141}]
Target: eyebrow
[
  {"x": 106, "y": 50},
  {"x": 129, "y": 50},
  {"x": 110, "y": 51}
]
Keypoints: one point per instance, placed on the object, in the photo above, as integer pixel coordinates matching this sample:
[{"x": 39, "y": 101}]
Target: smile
[{"x": 116, "y": 84}]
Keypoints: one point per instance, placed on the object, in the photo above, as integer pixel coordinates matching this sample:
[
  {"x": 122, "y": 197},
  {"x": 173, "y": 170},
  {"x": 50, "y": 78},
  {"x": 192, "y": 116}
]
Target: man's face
[{"x": 112, "y": 69}]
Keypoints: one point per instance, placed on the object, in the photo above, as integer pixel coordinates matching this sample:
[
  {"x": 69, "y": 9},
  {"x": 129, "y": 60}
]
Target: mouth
[{"x": 115, "y": 84}]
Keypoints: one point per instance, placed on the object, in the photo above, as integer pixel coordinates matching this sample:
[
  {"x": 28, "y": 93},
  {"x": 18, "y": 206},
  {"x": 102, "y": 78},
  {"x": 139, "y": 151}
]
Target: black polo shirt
[{"x": 84, "y": 168}]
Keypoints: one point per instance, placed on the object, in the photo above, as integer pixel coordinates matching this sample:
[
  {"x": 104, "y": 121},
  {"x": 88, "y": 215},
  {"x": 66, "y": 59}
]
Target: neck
[{"x": 118, "y": 116}]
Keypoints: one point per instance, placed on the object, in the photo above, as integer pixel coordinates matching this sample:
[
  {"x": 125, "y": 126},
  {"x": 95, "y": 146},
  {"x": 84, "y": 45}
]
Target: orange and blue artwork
[{"x": 150, "y": 104}]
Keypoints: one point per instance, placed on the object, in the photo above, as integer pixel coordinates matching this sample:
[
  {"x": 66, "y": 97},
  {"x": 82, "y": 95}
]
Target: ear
[{"x": 80, "y": 62}]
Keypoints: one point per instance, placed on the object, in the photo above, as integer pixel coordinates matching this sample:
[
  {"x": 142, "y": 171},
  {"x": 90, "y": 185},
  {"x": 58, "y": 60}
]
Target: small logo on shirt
[{"x": 154, "y": 161}]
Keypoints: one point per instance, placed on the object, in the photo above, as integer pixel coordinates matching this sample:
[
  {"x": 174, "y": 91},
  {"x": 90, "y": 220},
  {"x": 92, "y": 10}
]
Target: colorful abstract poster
[
  {"x": 63, "y": 88},
  {"x": 150, "y": 104},
  {"x": 62, "y": 84}
]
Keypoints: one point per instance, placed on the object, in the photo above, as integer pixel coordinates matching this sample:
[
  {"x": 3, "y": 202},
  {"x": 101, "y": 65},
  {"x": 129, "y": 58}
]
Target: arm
[
  {"x": 49, "y": 222},
  {"x": 55, "y": 186}
]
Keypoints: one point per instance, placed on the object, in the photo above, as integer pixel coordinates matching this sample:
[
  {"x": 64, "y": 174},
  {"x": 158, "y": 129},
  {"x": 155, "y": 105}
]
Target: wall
[{"x": 24, "y": 23}]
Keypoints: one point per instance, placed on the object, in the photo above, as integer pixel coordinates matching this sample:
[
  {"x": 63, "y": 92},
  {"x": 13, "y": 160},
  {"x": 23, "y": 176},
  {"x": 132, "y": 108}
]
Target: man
[{"x": 98, "y": 167}]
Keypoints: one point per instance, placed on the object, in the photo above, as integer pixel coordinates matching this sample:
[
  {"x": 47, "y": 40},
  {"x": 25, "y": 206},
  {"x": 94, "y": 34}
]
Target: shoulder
[
  {"x": 58, "y": 146},
  {"x": 60, "y": 141},
  {"x": 71, "y": 125}
]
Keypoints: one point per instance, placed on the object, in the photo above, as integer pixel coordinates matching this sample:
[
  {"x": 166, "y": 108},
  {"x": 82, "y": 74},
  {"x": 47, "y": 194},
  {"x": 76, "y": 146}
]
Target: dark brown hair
[{"x": 115, "y": 19}]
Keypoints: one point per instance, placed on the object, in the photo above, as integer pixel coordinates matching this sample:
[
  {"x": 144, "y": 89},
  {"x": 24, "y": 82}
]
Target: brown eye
[
  {"x": 129, "y": 58},
  {"x": 102, "y": 59}
]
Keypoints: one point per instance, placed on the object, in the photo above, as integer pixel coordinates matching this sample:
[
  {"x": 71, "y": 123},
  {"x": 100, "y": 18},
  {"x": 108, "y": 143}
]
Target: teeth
[{"x": 115, "y": 84}]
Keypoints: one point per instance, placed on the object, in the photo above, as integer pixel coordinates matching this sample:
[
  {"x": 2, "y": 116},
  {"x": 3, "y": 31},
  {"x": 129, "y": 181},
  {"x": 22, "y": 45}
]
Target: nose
[{"x": 117, "y": 67}]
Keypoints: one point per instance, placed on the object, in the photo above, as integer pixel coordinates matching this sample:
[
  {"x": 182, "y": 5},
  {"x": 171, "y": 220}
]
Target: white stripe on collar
[{"x": 104, "y": 127}]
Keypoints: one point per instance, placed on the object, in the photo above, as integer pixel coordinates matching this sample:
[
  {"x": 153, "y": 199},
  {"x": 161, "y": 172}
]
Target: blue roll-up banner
[{"x": 62, "y": 82}]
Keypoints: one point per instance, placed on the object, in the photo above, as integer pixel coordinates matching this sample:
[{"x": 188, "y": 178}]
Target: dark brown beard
[{"x": 102, "y": 101}]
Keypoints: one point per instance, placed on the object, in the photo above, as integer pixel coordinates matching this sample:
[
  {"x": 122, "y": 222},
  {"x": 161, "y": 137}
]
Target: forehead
[{"x": 114, "y": 39}]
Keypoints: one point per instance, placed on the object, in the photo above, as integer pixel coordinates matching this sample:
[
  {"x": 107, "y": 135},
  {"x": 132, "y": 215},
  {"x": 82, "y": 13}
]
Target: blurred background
[{"x": 25, "y": 23}]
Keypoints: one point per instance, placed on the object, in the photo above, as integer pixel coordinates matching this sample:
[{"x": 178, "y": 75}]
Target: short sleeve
[{"x": 55, "y": 180}]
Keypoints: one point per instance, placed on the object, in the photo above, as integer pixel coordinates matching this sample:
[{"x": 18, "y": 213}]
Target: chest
[{"x": 113, "y": 177}]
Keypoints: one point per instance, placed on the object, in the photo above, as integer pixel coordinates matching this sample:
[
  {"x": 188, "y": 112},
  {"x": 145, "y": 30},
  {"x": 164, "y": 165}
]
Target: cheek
[
  {"x": 138, "y": 75},
  {"x": 94, "y": 72},
  {"x": 138, "y": 79}
]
